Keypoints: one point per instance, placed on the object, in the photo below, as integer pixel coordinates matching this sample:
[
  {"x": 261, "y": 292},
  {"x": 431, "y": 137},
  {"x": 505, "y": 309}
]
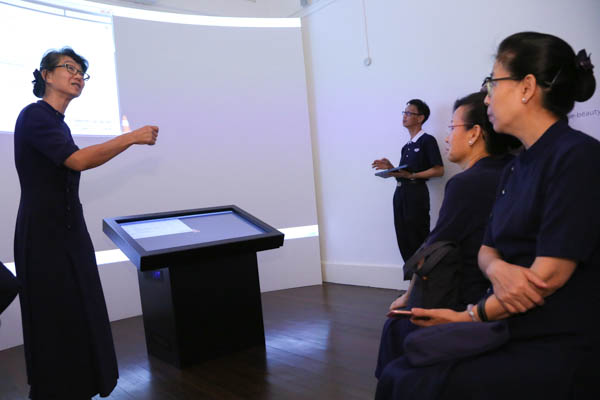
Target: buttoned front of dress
[{"x": 68, "y": 342}]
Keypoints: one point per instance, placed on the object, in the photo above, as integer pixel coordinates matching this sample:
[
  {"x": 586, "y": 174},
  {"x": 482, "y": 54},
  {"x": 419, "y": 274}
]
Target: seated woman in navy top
[
  {"x": 542, "y": 246},
  {"x": 482, "y": 154}
]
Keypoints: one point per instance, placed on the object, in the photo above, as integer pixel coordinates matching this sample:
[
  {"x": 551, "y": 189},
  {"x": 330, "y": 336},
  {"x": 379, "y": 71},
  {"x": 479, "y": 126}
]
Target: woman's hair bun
[
  {"x": 39, "y": 85},
  {"x": 585, "y": 84}
]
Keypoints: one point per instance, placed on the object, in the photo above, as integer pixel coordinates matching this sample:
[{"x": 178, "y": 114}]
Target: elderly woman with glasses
[
  {"x": 541, "y": 250},
  {"x": 68, "y": 342},
  {"x": 469, "y": 195}
]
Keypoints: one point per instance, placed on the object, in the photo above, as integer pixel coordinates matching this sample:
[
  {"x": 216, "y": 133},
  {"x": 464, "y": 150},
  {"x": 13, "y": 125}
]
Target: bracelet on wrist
[{"x": 481, "y": 310}]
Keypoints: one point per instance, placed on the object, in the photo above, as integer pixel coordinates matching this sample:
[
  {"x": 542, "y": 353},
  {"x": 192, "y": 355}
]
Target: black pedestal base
[{"x": 197, "y": 312}]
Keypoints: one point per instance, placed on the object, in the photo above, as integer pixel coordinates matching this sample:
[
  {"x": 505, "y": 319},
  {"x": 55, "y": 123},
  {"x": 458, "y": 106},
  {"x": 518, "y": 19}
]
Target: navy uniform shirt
[
  {"x": 548, "y": 206},
  {"x": 421, "y": 153},
  {"x": 464, "y": 214}
]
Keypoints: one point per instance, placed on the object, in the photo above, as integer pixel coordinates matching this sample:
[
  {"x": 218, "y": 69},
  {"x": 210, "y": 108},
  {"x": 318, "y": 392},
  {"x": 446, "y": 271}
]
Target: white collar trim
[{"x": 417, "y": 136}]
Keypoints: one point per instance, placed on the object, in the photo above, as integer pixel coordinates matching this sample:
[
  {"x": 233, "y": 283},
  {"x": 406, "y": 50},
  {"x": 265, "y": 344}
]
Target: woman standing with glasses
[
  {"x": 541, "y": 250},
  {"x": 68, "y": 342},
  {"x": 421, "y": 156}
]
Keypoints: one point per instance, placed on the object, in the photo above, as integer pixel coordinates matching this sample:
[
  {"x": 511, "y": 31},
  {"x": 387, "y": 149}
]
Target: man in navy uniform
[{"x": 422, "y": 158}]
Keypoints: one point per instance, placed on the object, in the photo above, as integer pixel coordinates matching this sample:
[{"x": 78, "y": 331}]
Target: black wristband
[{"x": 481, "y": 310}]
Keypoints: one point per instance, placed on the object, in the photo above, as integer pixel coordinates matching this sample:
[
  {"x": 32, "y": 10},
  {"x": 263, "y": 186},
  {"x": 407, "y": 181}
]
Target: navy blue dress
[
  {"x": 464, "y": 214},
  {"x": 411, "y": 198},
  {"x": 547, "y": 206},
  {"x": 68, "y": 342}
]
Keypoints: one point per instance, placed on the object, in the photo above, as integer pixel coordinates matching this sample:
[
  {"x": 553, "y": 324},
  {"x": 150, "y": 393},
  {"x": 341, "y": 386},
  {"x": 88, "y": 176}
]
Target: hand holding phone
[
  {"x": 403, "y": 313},
  {"x": 399, "y": 313}
]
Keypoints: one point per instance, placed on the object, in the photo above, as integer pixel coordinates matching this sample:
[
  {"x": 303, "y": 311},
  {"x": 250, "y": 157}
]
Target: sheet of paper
[{"x": 140, "y": 230}]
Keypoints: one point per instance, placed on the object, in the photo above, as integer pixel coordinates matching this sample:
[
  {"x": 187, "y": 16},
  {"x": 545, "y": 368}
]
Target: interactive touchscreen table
[{"x": 198, "y": 277}]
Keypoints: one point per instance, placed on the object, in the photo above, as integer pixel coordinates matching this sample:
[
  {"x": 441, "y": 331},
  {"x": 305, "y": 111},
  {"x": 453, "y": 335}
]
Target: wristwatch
[{"x": 471, "y": 313}]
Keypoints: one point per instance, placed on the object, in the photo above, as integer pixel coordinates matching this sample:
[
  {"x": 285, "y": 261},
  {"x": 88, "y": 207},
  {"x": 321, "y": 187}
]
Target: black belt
[{"x": 403, "y": 181}]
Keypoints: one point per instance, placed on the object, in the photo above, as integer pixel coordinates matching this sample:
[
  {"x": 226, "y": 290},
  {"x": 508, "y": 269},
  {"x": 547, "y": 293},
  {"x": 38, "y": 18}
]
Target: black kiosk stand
[{"x": 198, "y": 278}]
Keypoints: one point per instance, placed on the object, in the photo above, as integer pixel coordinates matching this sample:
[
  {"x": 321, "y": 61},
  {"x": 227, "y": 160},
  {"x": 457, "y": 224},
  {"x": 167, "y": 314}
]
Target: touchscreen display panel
[{"x": 158, "y": 234}]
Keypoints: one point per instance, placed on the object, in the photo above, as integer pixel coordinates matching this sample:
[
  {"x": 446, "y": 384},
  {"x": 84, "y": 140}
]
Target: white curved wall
[{"x": 232, "y": 109}]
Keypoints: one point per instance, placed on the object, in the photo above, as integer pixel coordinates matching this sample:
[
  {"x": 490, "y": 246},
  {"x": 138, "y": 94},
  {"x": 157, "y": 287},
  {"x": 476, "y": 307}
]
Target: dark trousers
[
  {"x": 411, "y": 216},
  {"x": 545, "y": 364},
  {"x": 391, "y": 345}
]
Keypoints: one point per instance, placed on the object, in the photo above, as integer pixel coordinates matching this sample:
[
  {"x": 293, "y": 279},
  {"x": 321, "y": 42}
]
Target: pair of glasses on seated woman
[{"x": 489, "y": 83}]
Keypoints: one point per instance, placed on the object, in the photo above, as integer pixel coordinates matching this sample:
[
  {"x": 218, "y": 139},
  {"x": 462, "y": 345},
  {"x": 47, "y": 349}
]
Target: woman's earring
[
  {"x": 471, "y": 142},
  {"x": 524, "y": 100}
]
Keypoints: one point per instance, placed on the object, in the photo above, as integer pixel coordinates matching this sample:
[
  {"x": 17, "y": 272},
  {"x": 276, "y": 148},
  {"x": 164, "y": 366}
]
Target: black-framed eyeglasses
[
  {"x": 409, "y": 113},
  {"x": 74, "y": 71},
  {"x": 451, "y": 127},
  {"x": 489, "y": 83}
]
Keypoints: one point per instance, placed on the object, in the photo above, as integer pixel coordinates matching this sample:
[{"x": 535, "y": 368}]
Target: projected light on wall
[
  {"x": 235, "y": 88},
  {"x": 28, "y": 30},
  {"x": 86, "y": 27},
  {"x": 116, "y": 255}
]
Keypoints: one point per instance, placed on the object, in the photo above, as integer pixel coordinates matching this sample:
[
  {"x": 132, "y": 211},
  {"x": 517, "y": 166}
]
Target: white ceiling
[{"x": 230, "y": 8}]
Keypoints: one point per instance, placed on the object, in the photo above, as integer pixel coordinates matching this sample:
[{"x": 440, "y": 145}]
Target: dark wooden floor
[{"x": 321, "y": 343}]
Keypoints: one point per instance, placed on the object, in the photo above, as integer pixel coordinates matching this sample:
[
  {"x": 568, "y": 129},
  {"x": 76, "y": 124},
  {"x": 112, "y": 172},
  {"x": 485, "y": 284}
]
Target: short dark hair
[
  {"x": 422, "y": 107},
  {"x": 49, "y": 62},
  {"x": 476, "y": 114},
  {"x": 555, "y": 66}
]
